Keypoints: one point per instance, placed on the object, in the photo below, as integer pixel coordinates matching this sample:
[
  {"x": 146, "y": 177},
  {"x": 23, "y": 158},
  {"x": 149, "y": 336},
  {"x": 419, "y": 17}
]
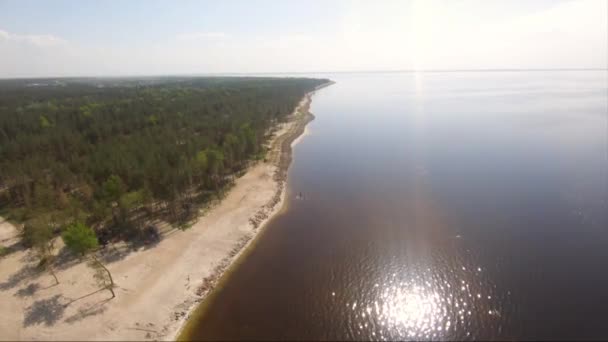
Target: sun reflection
[
  {"x": 426, "y": 304},
  {"x": 414, "y": 312}
]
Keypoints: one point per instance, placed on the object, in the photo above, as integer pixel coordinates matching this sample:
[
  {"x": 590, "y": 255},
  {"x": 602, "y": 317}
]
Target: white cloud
[
  {"x": 425, "y": 34},
  {"x": 33, "y": 55},
  {"x": 42, "y": 40},
  {"x": 481, "y": 34}
]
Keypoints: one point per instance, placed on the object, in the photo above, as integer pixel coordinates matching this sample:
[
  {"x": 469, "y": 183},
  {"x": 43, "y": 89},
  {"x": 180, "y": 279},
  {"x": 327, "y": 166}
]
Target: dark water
[{"x": 436, "y": 206}]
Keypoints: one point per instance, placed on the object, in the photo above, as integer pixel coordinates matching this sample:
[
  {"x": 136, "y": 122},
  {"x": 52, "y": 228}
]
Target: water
[{"x": 456, "y": 205}]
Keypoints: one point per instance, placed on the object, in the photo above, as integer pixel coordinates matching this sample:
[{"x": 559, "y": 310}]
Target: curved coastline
[
  {"x": 281, "y": 157},
  {"x": 158, "y": 288}
]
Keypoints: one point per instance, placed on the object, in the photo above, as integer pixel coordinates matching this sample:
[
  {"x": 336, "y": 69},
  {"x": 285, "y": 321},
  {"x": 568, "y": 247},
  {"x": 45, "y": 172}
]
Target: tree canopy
[
  {"x": 102, "y": 150},
  {"x": 79, "y": 238}
]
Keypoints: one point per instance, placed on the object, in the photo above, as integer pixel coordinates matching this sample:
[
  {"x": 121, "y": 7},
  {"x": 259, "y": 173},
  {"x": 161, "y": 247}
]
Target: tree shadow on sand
[
  {"x": 147, "y": 238},
  {"x": 88, "y": 311},
  {"x": 45, "y": 311},
  {"x": 66, "y": 259},
  {"x": 112, "y": 253},
  {"x": 50, "y": 310},
  {"x": 12, "y": 248},
  {"x": 28, "y": 291},
  {"x": 24, "y": 273}
]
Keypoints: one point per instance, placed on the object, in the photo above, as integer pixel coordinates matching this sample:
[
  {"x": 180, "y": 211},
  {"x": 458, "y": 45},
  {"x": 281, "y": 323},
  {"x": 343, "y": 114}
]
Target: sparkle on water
[{"x": 423, "y": 305}]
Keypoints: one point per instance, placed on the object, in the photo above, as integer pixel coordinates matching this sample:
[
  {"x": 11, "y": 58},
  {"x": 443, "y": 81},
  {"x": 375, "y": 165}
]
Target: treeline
[{"x": 112, "y": 152}]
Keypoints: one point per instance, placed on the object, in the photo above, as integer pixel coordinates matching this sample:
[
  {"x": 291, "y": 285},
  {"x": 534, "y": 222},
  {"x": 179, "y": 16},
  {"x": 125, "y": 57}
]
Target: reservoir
[{"x": 435, "y": 205}]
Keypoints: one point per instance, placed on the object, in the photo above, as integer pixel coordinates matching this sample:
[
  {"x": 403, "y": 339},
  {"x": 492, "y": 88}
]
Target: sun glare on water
[
  {"x": 414, "y": 312},
  {"x": 426, "y": 304}
]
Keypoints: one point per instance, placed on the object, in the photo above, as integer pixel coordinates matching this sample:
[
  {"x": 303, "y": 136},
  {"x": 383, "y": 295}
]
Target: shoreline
[
  {"x": 160, "y": 287},
  {"x": 278, "y": 206}
]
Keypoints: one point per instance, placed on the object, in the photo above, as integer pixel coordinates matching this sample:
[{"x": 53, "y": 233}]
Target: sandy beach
[{"x": 157, "y": 287}]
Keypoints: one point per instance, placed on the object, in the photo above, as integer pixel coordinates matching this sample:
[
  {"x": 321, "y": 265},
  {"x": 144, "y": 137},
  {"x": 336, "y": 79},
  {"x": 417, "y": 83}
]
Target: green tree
[
  {"x": 44, "y": 122},
  {"x": 249, "y": 137},
  {"x": 74, "y": 149},
  {"x": 40, "y": 236},
  {"x": 215, "y": 158},
  {"x": 230, "y": 148},
  {"x": 81, "y": 240},
  {"x": 44, "y": 196},
  {"x": 200, "y": 164},
  {"x": 113, "y": 188}
]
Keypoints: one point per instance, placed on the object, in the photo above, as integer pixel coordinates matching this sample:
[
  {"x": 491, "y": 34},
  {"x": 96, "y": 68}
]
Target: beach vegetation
[
  {"x": 116, "y": 153},
  {"x": 81, "y": 240}
]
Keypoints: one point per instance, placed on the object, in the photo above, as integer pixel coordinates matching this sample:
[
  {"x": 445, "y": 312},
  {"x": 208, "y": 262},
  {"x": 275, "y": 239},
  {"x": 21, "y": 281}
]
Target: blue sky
[
  {"x": 111, "y": 37},
  {"x": 88, "y": 21}
]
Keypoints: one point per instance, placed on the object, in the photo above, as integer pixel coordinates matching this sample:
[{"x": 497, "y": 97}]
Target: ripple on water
[{"x": 427, "y": 303}]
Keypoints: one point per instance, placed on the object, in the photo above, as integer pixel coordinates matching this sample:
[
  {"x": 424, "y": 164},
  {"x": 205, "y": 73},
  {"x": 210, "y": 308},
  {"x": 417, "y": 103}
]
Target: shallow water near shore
[{"x": 456, "y": 205}]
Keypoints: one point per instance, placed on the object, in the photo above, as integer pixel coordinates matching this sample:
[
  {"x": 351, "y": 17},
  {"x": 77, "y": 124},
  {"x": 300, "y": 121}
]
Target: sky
[{"x": 159, "y": 37}]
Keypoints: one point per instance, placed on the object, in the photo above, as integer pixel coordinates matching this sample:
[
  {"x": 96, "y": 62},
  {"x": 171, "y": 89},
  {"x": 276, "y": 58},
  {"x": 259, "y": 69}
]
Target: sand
[{"x": 158, "y": 287}]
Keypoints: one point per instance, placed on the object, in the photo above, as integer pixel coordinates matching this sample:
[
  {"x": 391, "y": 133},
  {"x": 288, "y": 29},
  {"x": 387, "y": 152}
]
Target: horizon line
[{"x": 215, "y": 74}]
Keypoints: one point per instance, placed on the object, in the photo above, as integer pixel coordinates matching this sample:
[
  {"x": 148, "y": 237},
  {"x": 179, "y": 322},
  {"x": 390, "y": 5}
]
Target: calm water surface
[{"x": 436, "y": 206}]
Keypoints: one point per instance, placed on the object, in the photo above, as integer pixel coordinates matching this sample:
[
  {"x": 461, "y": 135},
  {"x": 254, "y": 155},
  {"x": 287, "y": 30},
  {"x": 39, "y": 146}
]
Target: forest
[{"x": 116, "y": 153}]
